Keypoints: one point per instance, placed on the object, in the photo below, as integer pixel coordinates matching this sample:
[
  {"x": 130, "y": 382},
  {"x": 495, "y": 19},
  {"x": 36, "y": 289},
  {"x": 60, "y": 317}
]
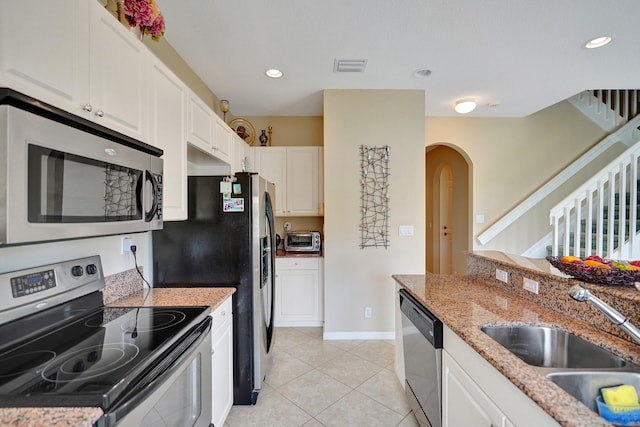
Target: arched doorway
[{"x": 448, "y": 199}]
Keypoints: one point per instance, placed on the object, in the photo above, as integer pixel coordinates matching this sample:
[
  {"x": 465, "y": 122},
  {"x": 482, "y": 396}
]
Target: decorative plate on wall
[{"x": 244, "y": 129}]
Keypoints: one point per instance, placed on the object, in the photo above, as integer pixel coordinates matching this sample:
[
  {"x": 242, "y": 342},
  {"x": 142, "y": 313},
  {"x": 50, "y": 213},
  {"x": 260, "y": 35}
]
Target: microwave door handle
[
  {"x": 154, "y": 206},
  {"x": 144, "y": 177}
]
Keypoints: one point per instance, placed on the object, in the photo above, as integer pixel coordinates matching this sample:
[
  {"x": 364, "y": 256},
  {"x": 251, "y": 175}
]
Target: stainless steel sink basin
[
  {"x": 548, "y": 347},
  {"x": 585, "y": 386}
]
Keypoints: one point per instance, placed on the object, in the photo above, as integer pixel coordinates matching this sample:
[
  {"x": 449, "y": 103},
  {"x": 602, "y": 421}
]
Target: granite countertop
[
  {"x": 465, "y": 303},
  {"x": 212, "y": 297},
  {"x": 51, "y": 417},
  {"x": 284, "y": 254},
  {"x": 85, "y": 417}
]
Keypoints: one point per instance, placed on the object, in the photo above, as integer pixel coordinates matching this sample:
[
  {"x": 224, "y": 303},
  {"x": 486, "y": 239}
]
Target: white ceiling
[{"x": 523, "y": 54}]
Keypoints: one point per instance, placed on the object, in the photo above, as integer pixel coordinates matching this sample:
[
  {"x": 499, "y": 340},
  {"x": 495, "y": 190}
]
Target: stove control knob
[
  {"x": 92, "y": 269},
  {"x": 77, "y": 271}
]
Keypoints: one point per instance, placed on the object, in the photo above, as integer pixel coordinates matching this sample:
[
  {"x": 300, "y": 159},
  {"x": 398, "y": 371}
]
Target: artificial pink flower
[{"x": 146, "y": 15}]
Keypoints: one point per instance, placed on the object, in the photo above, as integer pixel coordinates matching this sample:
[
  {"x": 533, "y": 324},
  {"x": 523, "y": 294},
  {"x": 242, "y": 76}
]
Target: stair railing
[
  {"x": 626, "y": 133},
  {"x": 609, "y": 108},
  {"x": 601, "y": 216}
]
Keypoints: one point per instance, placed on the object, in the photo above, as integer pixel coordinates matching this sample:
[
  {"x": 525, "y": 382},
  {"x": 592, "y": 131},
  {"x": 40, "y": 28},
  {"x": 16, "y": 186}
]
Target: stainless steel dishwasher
[{"x": 422, "y": 344}]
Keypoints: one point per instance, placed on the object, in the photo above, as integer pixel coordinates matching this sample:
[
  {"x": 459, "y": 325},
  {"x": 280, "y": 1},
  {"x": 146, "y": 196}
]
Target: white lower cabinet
[
  {"x": 222, "y": 363},
  {"x": 459, "y": 391},
  {"x": 299, "y": 292},
  {"x": 474, "y": 393}
]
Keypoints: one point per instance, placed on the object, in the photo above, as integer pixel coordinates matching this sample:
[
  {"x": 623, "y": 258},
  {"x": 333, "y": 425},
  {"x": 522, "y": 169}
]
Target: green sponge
[{"x": 622, "y": 395}]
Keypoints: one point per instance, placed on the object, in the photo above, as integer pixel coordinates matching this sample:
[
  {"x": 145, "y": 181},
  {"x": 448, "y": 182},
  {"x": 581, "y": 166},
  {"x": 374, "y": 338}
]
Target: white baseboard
[
  {"x": 297, "y": 324},
  {"x": 373, "y": 335}
]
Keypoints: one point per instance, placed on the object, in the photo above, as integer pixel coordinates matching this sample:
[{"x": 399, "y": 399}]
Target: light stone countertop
[
  {"x": 50, "y": 417},
  {"x": 465, "y": 303},
  {"x": 85, "y": 417},
  {"x": 163, "y": 297}
]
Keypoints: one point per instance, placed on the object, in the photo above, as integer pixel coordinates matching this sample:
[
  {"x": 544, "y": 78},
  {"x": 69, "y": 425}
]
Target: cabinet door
[
  {"x": 222, "y": 372},
  {"x": 463, "y": 402},
  {"x": 241, "y": 155},
  {"x": 119, "y": 70},
  {"x": 200, "y": 119},
  {"x": 168, "y": 125},
  {"x": 44, "y": 51},
  {"x": 298, "y": 292},
  {"x": 223, "y": 138},
  {"x": 272, "y": 166},
  {"x": 302, "y": 181}
]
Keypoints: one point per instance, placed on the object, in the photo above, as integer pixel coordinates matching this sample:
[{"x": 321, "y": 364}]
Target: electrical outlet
[
  {"x": 502, "y": 275},
  {"x": 502, "y": 302},
  {"x": 368, "y": 312},
  {"x": 127, "y": 242},
  {"x": 531, "y": 285}
]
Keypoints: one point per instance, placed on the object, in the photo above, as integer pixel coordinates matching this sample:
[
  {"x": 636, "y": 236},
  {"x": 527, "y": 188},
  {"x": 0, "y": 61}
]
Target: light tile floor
[{"x": 327, "y": 383}]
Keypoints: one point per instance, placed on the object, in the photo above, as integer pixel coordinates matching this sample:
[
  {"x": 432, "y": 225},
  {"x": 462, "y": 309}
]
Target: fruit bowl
[{"x": 610, "y": 275}]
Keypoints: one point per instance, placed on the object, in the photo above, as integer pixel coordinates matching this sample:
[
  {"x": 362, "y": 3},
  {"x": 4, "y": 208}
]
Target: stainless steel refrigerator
[{"x": 228, "y": 241}]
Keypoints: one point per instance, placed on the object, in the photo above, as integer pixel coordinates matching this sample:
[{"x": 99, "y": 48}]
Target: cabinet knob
[
  {"x": 99, "y": 113},
  {"x": 87, "y": 107},
  {"x": 224, "y": 313}
]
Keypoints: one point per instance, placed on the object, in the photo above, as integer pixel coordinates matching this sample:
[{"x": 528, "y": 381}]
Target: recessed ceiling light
[
  {"x": 598, "y": 42},
  {"x": 421, "y": 73},
  {"x": 464, "y": 106},
  {"x": 274, "y": 73}
]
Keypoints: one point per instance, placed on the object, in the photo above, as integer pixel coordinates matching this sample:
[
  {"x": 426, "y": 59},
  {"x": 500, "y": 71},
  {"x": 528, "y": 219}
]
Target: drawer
[
  {"x": 296, "y": 263},
  {"x": 220, "y": 314}
]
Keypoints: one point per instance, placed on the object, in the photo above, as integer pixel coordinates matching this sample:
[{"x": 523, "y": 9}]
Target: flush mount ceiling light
[
  {"x": 598, "y": 42},
  {"x": 274, "y": 73},
  {"x": 464, "y": 106},
  {"x": 421, "y": 73}
]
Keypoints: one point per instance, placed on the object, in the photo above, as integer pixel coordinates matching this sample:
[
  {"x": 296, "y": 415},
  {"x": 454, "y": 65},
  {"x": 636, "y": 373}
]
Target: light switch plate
[{"x": 405, "y": 230}]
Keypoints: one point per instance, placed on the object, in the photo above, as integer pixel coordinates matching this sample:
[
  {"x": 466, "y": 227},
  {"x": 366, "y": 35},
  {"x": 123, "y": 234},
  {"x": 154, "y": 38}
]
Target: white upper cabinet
[
  {"x": 241, "y": 155},
  {"x": 44, "y": 51},
  {"x": 200, "y": 119},
  {"x": 272, "y": 165},
  {"x": 76, "y": 56},
  {"x": 297, "y": 174},
  {"x": 119, "y": 68},
  {"x": 168, "y": 132},
  {"x": 222, "y": 140},
  {"x": 303, "y": 176}
]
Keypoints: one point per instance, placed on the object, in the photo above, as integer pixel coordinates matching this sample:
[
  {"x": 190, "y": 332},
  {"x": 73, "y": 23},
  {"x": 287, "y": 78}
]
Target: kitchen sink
[
  {"x": 549, "y": 347},
  {"x": 585, "y": 385}
]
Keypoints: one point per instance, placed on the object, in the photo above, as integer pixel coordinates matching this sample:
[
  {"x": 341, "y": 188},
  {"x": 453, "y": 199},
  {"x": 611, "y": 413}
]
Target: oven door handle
[{"x": 155, "y": 377}]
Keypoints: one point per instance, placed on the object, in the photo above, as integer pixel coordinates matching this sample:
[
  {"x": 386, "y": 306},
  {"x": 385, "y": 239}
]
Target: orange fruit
[{"x": 593, "y": 263}]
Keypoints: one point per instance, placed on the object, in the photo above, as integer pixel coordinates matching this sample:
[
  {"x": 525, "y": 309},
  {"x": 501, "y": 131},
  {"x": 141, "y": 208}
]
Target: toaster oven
[{"x": 302, "y": 241}]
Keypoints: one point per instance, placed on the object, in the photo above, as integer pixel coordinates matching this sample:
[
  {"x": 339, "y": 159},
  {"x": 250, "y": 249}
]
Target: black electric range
[{"x": 80, "y": 353}]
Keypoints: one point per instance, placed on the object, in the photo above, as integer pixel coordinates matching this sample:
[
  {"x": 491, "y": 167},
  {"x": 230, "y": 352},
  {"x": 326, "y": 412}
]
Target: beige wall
[
  {"x": 357, "y": 278},
  {"x": 290, "y": 131},
  {"x": 512, "y": 158}
]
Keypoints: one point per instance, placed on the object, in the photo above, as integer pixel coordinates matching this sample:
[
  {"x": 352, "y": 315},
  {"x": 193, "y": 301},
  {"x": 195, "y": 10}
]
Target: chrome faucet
[{"x": 579, "y": 293}]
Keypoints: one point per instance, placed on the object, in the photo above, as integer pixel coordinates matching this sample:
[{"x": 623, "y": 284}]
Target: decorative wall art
[
  {"x": 374, "y": 189},
  {"x": 244, "y": 129}
]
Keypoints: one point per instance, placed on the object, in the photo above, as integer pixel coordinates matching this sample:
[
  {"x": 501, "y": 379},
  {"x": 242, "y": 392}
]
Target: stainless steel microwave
[
  {"x": 302, "y": 241},
  {"x": 60, "y": 182}
]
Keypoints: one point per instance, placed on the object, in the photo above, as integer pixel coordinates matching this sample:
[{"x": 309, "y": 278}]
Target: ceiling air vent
[{"x": 349, "y": 65}]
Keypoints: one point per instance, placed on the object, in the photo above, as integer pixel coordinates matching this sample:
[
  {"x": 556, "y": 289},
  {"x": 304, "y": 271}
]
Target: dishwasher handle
[{"x": 424, "y": 320}]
